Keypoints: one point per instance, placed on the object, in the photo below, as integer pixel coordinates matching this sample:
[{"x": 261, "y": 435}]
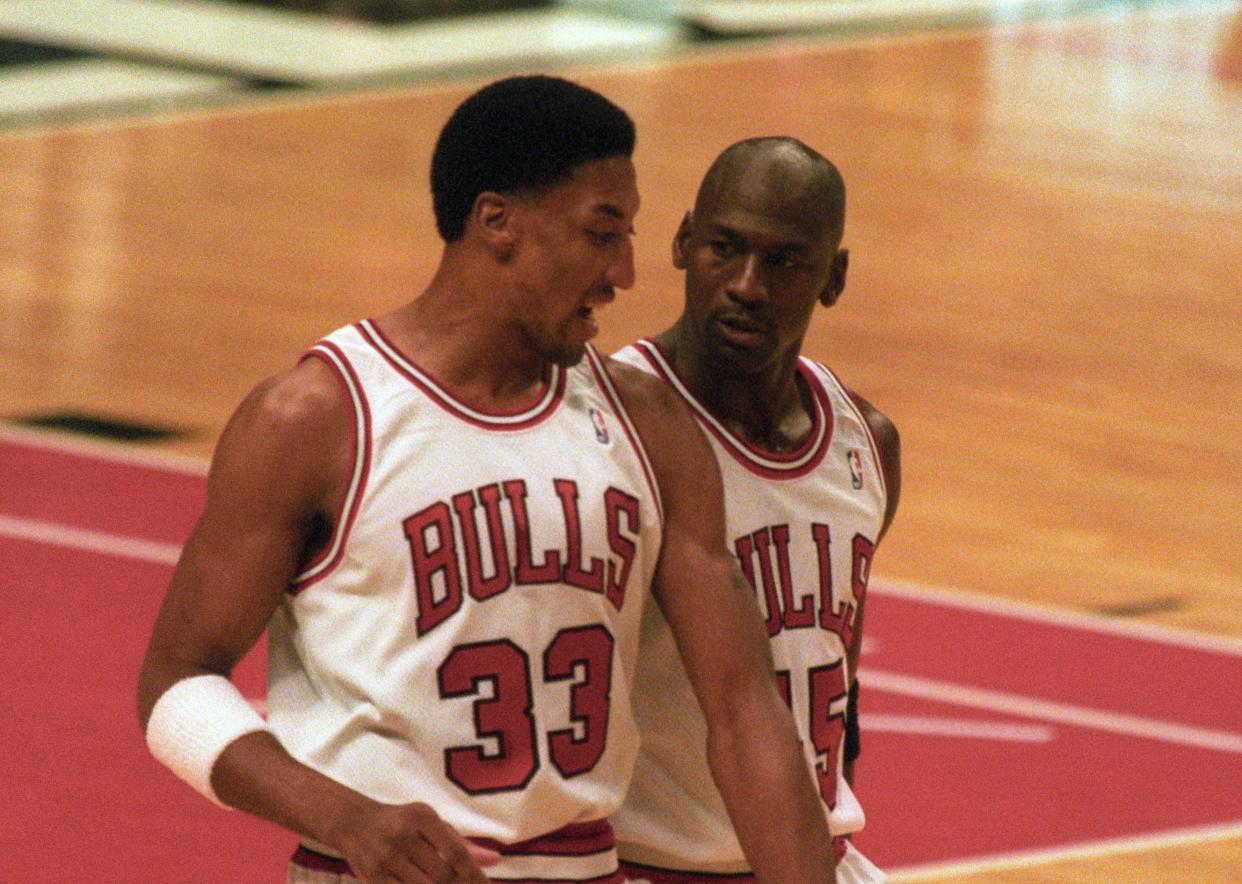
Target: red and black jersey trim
[
  {"x": 658, "y": 875},
  {"x": 576, "y": 839},
  {"x": 551, "y": 390},
  {"x": 877, "y": 453},
  {"x": 360, "y": 453},
  {"x": 767, "y": 464},
  {"x": 605, "y": 383}
]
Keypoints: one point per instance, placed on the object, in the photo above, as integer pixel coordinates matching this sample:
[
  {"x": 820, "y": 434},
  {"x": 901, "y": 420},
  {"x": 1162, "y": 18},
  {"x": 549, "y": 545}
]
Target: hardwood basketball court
[{"x": 1045, "y": 227}]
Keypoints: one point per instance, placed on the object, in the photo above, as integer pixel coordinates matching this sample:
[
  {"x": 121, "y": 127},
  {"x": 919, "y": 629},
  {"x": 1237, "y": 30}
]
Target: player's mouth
[
  {"x": 741, "y": 331},
  {"x": 585, "y": 323},
  {"x": 584, "y": 319}
]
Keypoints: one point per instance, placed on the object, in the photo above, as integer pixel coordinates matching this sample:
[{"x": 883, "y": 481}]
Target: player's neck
[
  {"x": 459, "y": 342},
  {"x": 770, "y": 409}
]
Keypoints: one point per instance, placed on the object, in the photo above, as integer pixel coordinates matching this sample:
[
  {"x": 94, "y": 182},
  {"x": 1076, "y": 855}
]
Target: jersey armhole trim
[
  {"x": 877, "y": 453},
  {"x": 627, "y": 424},
  {"x": 328, "y": 558}
]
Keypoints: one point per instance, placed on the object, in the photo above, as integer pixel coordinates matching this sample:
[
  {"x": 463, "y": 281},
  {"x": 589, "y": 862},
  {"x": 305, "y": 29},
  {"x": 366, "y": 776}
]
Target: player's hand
[{"x": 410, "y": 844}]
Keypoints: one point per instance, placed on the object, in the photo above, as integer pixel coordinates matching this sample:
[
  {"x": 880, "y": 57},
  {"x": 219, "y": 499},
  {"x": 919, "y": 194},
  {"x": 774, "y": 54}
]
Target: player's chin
[
  {"x": 567, "y": 354},
  {"x": 570, "y": 349},
  {"x": 734, "y": 358}
]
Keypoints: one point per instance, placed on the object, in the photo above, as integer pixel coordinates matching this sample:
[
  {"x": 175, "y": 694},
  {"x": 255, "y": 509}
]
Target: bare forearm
[
  {"x": 255, "y": 774},
  {"x": 761, "y": 773},
  {"x": 381, "y": 842}
]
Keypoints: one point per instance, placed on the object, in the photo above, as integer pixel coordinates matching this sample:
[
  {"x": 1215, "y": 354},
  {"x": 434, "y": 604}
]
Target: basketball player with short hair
[
  {"x": 448, "y": 518},
  {"x": 811, "y": 474}
]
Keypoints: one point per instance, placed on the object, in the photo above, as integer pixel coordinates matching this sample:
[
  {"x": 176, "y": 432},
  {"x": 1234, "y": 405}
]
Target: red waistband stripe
[{"x": 576, "y": 839}]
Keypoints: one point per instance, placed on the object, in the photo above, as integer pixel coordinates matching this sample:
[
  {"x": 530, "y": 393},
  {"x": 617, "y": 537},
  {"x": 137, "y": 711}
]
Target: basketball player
[
  {"x": 811, "y": 475},
  {"x": 447, "y": 519}
]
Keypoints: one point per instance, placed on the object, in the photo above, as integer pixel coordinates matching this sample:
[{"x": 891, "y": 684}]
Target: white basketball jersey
[
  {"x": 468, "y": 636},
  {"x": 804, "y": 526}
]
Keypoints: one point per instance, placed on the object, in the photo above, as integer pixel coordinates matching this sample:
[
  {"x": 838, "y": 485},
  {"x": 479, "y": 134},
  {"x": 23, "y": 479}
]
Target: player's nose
[
  {"x": 746, "y": 285},
  {"x": 621, "y": 270}
]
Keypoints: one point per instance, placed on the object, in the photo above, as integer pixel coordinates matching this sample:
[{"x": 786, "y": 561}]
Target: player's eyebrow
[
  {"x": 793, "y": 247},
  {"x": 611, "y": 211}
]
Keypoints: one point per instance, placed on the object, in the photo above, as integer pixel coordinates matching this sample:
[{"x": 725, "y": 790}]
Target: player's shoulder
[
  {"x": 307, "y": 393},
  {"x": 290, "y": 435},
  {"x": 884, "y": 431},
  {"x": 286, "y": 410},
  {"x": 668, "y": 429},
  {"x": 675, "y": 444},
  {"x": 882, "y": 427},
  {"x": 641, "y": 389},
  {"x": 634, "y": 355}
]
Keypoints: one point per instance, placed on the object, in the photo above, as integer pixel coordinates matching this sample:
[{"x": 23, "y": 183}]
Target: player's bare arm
[
  {"x": 753, "y": 748},
  {"x": 889, "y": 442},
  {"x": 276, "y": 480}
]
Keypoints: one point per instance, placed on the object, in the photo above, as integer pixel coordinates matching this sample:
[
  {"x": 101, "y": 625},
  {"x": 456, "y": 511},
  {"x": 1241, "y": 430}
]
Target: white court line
[
  {"x": 1087, "y": 850},
  {"x": 55, "y": 534},
  {"x": 959, "y": 598},
  {"x": 1063, "y": 713},
  {"x": 962, "y": 728}
]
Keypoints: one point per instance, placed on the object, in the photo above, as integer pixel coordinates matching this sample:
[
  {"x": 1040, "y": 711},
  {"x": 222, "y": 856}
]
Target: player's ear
[
  {"x": 836, "y": 278},
  {"x": 681, "y": 241},
  {"x": 494, "y": 217}
]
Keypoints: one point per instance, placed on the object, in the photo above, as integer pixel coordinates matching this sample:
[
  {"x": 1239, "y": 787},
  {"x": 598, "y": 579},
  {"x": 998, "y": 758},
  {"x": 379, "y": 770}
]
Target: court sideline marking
[
  {"x": 1090, "y": 850},
  {"x": 57, "y": 534},
  {"x": 1048, "y": 710}
]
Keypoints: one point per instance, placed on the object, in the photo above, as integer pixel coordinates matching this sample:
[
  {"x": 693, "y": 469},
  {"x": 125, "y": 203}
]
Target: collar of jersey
[
  {"x": 551, "y": 389},
  {"x": 772, "y": 464}
]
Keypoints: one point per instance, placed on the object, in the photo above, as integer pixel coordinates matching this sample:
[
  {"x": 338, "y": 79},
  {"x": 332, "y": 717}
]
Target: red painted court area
[{"x": 987, "y": 729}]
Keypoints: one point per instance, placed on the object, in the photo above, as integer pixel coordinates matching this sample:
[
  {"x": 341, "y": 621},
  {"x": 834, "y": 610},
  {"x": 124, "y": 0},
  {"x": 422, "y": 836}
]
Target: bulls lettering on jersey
[
  {"x": 439, "y": 576},
  {"x": 765, "y": 560}
]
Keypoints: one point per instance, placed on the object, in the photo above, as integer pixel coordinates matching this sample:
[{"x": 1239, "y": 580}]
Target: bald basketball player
[{"x": 811, "y": 474}]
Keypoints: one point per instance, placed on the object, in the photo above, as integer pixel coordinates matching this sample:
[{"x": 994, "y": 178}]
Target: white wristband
[{"x": 193, "y": 722}]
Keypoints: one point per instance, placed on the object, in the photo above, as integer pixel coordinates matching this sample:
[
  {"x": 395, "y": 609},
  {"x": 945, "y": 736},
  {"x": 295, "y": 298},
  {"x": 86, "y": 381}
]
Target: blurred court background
[{"x": 1045, "y": 226}]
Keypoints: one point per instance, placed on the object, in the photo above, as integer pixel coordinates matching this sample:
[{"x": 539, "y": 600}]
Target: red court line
[
  {"x": 939, "y": 799},
  {"x": 88, "y": 802},
  {"x": 942, "y": 798},
  {"x": 83, "y": 800},
  {"x": 48, "y": 480},
  {"x": 1129, "y": 674}
]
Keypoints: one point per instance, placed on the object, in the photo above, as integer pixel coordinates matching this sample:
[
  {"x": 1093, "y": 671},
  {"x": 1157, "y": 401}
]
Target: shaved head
[{"x": 781, "y": 177}]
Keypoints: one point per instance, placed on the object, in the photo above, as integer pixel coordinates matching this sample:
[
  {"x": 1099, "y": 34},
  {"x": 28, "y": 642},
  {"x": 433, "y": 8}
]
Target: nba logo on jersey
[
  {"x": 856, "y": 473},
  {"x": 601, "y": 428}
]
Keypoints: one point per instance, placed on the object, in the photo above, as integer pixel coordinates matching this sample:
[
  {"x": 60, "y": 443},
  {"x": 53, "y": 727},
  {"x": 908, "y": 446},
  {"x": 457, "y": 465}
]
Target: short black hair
[{"x": 525, "y": 133}]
